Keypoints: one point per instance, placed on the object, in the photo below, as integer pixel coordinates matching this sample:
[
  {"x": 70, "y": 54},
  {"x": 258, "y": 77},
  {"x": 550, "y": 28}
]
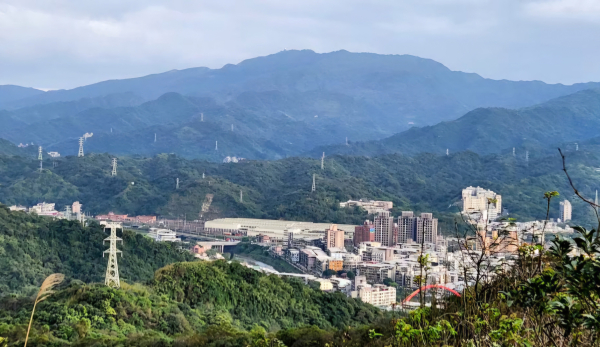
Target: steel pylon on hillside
[
  {"x": 114, "y": 167},
  {"x": 112, "y": 269},
  {"x": 80, "y": 153}
]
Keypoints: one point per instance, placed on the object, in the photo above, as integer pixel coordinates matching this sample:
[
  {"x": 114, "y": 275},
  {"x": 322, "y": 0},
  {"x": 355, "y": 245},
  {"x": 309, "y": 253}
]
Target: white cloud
[
  {"x": 63, "y": 44},
  {"x": 567, "y": 9}
]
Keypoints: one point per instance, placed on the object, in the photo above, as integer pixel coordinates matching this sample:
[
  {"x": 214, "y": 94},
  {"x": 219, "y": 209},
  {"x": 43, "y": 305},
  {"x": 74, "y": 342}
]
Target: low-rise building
[
  {"x": 378, "y": 295},
  {"x": 163, "y": 235},
  {"x": 293, "y": 255},
  {"x": 371, "y": 206},
  {"x": 336, "y": 265}
]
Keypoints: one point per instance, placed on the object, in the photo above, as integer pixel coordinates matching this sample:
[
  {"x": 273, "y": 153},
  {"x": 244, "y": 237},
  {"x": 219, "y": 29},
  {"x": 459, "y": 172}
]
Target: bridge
[{"x": 220, "y": 246}]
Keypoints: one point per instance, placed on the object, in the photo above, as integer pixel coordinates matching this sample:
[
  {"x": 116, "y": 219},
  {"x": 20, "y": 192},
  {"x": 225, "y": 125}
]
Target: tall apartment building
[
  {"x": 565, "y": 210},
  {"x": 364, "y": 233},
  {"x": 476, "y": 200},
  {"x": 406, "y": 226},
  {"x": 334, "y": 238},
  {"x": 384, "y": 229},
  {"x": 426, "y": 228},
  {"x": 415, "y": 228}
]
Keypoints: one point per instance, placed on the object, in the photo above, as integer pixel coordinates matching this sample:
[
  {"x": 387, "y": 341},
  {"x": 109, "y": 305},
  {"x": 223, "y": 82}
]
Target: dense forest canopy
[
  {"x": 33, "y": 247},
  {"x": 184, "y": 302},
  {"x": 281, "y": 189}
]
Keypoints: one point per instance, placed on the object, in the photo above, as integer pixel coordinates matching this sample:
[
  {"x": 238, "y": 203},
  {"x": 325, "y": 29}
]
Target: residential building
[
  {"x": 371, "y": 206},
  {"x": 293, "y": 255},
  {"x": 376, "y": 272},
  {"x": 44, "y": 209},
  {"x": 407, "y": 224},
  {"x": 565, "y": 211},
  {"x": 263, "y": 238},
  {"x": 325, "y": 285},
  {"x": 479, "y": 200},
  {"x": 334, "y": 238},
  {"x": 113, "y": 217},
  {"x": 143, "y": 219},
  {"x": 364, "y": 233},
  {"x": 163, "y": 235},
  {"x": 307, "y": 258},
  {"x": 426, "y": 229},
  {"x": 336, "y": 265},
  {"x": 378, "y": 295},
  {"x": 76, "y": 208},
  {"x": 384, "y": 229}
]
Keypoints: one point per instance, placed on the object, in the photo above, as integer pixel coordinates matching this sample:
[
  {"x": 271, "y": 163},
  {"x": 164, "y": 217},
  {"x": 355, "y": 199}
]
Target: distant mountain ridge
[
  {"x": 573, "y": 118},
  {"x": 10, "y": 93},
  {"x": 398, "y": 89}
]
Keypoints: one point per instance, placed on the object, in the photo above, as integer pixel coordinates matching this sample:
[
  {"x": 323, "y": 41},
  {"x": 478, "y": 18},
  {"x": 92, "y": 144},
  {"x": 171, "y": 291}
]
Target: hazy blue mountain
[
  {"x": 389, "y": 92},
  {"x": 176, "y": 120},
  {"x": 10, "y": 93},
  {"x": 40, "y": 113},
  {"x": 570, "y": 118}
]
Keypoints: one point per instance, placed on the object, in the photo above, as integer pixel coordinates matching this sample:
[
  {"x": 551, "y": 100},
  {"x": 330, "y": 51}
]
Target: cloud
[
  {"x": 565, "y": 9},
  {"x": 64, "y": 44}
]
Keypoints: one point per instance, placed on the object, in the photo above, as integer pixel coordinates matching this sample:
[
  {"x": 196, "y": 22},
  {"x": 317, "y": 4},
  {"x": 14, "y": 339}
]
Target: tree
[
  {"x": 350, "y": 275},
  {"x": 328, "y": 273}
]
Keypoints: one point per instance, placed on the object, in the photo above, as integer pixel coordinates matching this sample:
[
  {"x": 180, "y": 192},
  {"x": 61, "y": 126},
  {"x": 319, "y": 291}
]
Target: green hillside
[
  {"x": 31, "y": 248},
  {"x": 187, "y": 304},
  {"x": 572, "y": 118},
  {"x": 281, "y": 189}
]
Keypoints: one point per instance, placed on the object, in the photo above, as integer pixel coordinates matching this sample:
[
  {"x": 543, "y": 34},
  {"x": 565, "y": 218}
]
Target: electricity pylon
[
  {"x": 80, "y": 154},
  {"x": 114, "y": 167},
  {"x": 112, "y": 269}
]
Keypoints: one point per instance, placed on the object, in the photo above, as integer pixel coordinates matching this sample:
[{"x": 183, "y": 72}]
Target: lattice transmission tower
[
  {"x": 112, "y": 269},
  {"x": 80, "y": 154},
  {"x": 114, "y": 167},
  {"x": 314, "y": 186},
  {"x": 40, "y": 157},
  {"x": 323, "y": 161}
]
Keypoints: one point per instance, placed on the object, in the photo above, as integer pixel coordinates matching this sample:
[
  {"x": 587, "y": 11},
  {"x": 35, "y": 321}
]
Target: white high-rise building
[
  {"x": 477, "y": 200},
  {"x": 384, "y": 229},
  {"x": 565, "y": 210}
]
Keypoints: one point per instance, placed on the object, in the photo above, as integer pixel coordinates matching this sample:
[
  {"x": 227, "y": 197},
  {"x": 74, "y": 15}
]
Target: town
[{"x": 384, "y": 261}]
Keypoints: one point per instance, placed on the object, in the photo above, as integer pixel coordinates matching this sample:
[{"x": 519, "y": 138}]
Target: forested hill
[
  {"x": 187, "y": 304},
  {"x": 573, "y": 118},
  {"x": 282, "y": 188},
  {"x": 32, "y": 247}
]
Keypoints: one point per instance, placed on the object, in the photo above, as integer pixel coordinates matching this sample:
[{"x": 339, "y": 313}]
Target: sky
[{"x": 56, "y": 44}]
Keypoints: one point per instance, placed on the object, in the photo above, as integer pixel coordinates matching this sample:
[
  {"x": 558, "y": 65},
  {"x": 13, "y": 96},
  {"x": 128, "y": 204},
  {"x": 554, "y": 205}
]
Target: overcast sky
[{"x": 53, "y": 44}]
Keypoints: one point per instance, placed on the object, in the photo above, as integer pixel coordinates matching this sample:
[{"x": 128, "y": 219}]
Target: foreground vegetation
[
  {"x": 33, "y": 247},
  {"x": 187, "y": 304}
]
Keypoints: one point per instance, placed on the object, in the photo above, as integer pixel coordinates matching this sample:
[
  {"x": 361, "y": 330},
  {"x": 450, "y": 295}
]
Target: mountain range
[
  {"x": 280, "y": 105},
  {"x": 572, "y": 118}
]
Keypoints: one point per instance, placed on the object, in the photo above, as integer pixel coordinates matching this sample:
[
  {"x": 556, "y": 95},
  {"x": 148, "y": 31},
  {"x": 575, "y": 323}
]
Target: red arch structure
[{"x": 429, "y": 287}]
